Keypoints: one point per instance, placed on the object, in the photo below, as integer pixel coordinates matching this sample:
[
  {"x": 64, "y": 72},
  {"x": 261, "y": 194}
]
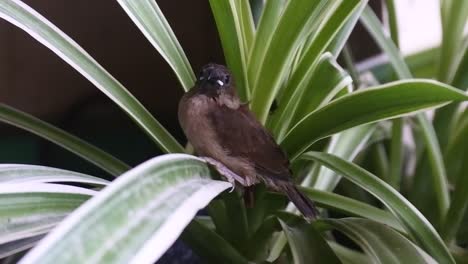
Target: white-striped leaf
[
  {"x": 28, "y": 210},
  {"x": 136, "y": 218},
  {"x": 21, "y": 173}
]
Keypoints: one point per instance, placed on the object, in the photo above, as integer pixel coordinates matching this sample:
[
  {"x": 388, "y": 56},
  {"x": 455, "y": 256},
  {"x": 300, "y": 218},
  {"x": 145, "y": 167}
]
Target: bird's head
[{"x": 215, "y": 78}]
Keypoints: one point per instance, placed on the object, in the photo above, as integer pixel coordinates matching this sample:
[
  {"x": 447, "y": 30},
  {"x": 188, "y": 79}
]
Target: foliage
[{"x": 289, "y": 56}]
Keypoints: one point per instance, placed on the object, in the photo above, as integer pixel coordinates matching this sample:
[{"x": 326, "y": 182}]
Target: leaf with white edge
[
  {"x": 366, "y": 106},
  {"x": 340, "y": 39},
  {"x": 328, "y": 29},
  {"x": 26, "y": 18},
  {"x": 27, "y": 210},
  {"x": 136, "y": 218},
  {"x": 380, "y": 242},
  {"x": 416, "y": 224},
  {"x": 20, "y": 173},
  {"x": 268, "y": 22},
  {"x": 230, "y": 29},
  {"x": 292, "y": 29},
  {"x": 60, "y": 137},
  {"x": 352, "y": 207},
  {"x": 152, "y": 23},
  {"x": 346, "y": 145},
  {"x": 434, "y": 153},
  {"x": 326, "y": 80}
]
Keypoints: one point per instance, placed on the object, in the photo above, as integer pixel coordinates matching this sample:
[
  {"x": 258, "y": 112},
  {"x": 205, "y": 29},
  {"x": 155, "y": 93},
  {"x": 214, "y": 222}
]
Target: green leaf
[
  {"x": 19, "y": 173},
  {"x": 422, "y": 64},
  {"x": 24, "y": 17},
  {"x": 438, "y": 173},
  {"x": 349, "y": 256},
  {"x": 70, "y": 142},
  {"x": 454, "y": 19},
  {"x": 381, "y": 243},
  {"x": 232, "y": 34},
  {"x": 392, "y": 20},
  {"x": 366, "y": 106},
  {"x": 307, "y": 245},
  {"x": 340, "y": 39},
  {"x": 266, "y": 27},
  {"x": 244, "y": 14},
  {"x": 457, "y": 161},
  {"x": 352, "y": 207},
  {"x": 296, "y": 20},
  {"x": 459, "y": 204},
  {"x": 416, "y": 224},
  {"x": 460, "y": 80},
  {"x": 373, "y": 25},
  {"x": 327, "y": 31},
  {"x": 327, "y": 79},
  {"x": 151, "y": 21},
  {"x": 210, "y": 245},
  {"x": 136, "y": 218},
  {"x": 31, "y": 209},
  {"x": 396, "y": 153},
  {"x": 346, "y": 145}
]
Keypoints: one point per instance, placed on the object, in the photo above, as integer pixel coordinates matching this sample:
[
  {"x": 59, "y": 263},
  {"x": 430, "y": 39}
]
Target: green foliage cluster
[{"x": 345, "y": 142}]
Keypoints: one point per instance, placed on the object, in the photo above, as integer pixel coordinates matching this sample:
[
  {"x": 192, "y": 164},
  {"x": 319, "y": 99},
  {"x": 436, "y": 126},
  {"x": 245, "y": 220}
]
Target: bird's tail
[{"x": 302, "y": 202}]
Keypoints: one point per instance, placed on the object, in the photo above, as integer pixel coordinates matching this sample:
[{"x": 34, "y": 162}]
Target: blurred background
[{"x": 35, "y": 80}]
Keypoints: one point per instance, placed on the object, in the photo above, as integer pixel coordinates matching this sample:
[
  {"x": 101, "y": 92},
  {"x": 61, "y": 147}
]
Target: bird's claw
[{"x": 227, "y": 173}]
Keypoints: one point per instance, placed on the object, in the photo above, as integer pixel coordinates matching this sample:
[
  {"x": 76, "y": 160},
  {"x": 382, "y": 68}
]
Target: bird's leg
[{"x": 223, "y": 170}]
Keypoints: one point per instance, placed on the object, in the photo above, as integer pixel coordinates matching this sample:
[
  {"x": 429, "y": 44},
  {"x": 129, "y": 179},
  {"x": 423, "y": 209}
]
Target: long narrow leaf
[
  {"x": 28, "y": 210},
  {"x": 244, "y": 14},
  {"x": 24, "y": 17},
  {"x": 352, "y": 207},
  {"x": 416, "y": 224},
  {"x": 330, "y": 27},
  {"x": 19, "y": 173},
  {"x": 230, "y": 29},
  {"x": 457, "y": 160},
  {"x": 72, "y": 143},
  {"x": 379, "y": 241},
  {"x": 295, "y": 22},
  {"x": 268, "y": 22},
  {"x": 342, "y": 36},
  {"x": 345, "y": 145},
  {"x": 136, "y": 218},
  {"x": 438, "y": 174},
  {"x": 327, "y": 79},
  {"x": 455, "y": 15},
  {"x": 366, "y": 106},
  {"x": 151, "y": 21},
  {"x": 373, "y": 25}
]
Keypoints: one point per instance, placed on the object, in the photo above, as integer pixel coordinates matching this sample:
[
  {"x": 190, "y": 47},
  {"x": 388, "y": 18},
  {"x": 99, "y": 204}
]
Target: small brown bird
[{"x": 226, "y": 133}]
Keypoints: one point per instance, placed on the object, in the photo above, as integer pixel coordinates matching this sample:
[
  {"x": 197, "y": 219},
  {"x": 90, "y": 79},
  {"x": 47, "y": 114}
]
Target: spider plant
[{"x": 334, "y": 132}]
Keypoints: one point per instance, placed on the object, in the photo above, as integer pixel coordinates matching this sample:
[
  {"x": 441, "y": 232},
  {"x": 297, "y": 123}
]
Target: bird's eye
[{"x": 227, "y": 78}]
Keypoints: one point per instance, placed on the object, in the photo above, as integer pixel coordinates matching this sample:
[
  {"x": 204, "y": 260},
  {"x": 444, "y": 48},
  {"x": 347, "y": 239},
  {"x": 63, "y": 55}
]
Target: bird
[{"x": 226, "y": 134}]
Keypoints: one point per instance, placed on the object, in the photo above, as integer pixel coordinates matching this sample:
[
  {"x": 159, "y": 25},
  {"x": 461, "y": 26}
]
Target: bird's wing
[{"x": 241, "y": 135}]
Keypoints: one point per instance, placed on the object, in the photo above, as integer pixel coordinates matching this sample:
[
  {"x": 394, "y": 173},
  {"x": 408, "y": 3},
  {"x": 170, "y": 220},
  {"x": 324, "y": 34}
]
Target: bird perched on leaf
[{"x": 228, "y": 136}]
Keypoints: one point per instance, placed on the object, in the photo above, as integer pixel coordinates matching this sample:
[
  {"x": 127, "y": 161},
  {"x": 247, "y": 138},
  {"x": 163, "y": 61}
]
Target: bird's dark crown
[{"x": 215, "y": 74}]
